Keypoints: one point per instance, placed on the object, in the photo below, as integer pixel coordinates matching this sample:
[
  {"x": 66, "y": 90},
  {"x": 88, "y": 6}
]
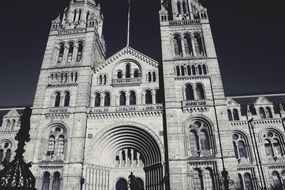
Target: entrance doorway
[{"x": 122, "y": 184}]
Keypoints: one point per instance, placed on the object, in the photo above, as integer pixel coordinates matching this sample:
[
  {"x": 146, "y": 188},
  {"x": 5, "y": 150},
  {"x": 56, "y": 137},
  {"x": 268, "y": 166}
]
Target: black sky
[{"x": 249, "y": 37}]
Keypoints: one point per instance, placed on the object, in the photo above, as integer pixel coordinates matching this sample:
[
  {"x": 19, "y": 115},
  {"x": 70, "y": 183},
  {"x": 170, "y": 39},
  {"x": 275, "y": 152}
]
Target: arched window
[
  {"x": 236, "y": 115},
  {"x": 194, "y": 143},
  {"x": 198, "y": 44},
  {"x": 268, "y": 148},
  {"x": 148, "y": 97},
  {"x": 262, "y": 113},
  {"x": 240, "y": 146},
  {"x": 208, "y": 178},
  {"x": 197, "y": 179},
  {"x": 230, "y": 116},
  {"x": 13, "y": 124},
  {"x": 66, "y": 99},
  {"x": 51, "y": 146},
  {"x": 242, "y": 149},
  {"x": 97, "y": 99},
  {"x": 153, "y": 76},
  {"x": 80, "y": 52},
  {"x": 200, "y": 92},
  {"x": 178, "y": 71},
  {"x": 57, "y": 99},
  {"x": 56, "y": 143},
  {"x": 8, "y": 155},
  {"x": 179, "y": 7},
  {"x": 193, "y": 70},
  {"x": 56, "y": 181},
  {"x": 46, "y": 181},
  {"x": 182, "y": 70},
  {"x": 189, "y": 92},
  {"x": 61, "y": 52},
  {"x": 200, "y": 70},
  {"x": 128, "y": 70},
  {"x": 8, "y": 124},
  {"x": 188, "y": 70},
  {"x": 276, "y": 180},
  {"x": 123, "y": 99},
  {"x": 184, "y": 7},
  {"x": 1, "y": 155},
  {"x": 248, "y": 181},
  {"x": 188, "y": 44},
  {"x": 107, "y": 99},
  {"x": 283, "y": 176},
  {"x": 70, "y": 52},
  {"x": 204, "y": 69},
  {"x": 133, "y": 100},
  {"x": 204, "y": 140},
  {"x": 269, "y": 112},
  {"x": 273, "y": 143},
  {"x": 241, "y": 186},
  {"x": 277, "y": 147},
  {"x": 119, "y": 74},
  {"x": 149, "y": 76},
  {"x": 60, "y": 145},
  {"x": 200, "y": 138},
  {"x": 136, "y": 73},
  {"x": 177, "y": 45}
]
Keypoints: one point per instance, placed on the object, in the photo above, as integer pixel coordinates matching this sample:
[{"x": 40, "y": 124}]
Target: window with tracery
[
  {"x": 177, "y": 45},
  {"x": 5, "y": 151},
  {"x": 241, "y": 147},
  {"x": 56, "y": 181},
  {"x": 273, "y": 144},
  {"x": 200, "y": 141},
  {"x": 56, "y": 143}
]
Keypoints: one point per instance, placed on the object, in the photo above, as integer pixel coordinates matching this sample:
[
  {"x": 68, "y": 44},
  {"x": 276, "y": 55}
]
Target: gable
[
  {"x": 127, "y": 53},
  {"x": 262, "y": 101},
  {"x": 231, "y": 102},
  {"x": 13, "y": 113}
]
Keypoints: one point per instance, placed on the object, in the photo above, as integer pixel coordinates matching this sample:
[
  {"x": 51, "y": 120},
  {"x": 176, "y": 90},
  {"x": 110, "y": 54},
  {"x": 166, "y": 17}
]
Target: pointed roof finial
[{"x": 129, "y": 20}]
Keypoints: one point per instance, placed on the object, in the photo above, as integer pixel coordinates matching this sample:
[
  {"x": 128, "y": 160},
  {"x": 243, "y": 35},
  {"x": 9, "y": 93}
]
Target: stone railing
[
  {"x": 130, "y": 108},
  {"x": 183, "y": 22},
  {"x": 57, "y": 110},
  {"x": 195, "y": 103},
  {"x": 126, "y": 81},
  {"x": 71, "y": 31}
]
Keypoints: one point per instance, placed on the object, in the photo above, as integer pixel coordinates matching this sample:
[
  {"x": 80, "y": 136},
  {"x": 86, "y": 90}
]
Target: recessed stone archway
[{"x": 121, "y": 150}]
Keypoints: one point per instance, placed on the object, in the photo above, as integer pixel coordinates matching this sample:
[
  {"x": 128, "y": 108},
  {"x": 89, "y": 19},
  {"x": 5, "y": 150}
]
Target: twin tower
[{"x": 96, "y": 120}]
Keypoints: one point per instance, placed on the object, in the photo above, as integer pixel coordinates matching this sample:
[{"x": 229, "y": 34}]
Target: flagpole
[{"x": 129, "y": 18}]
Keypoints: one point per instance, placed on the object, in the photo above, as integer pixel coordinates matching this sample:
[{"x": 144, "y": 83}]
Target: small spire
[
  {"x": 248, "y": 110},
  {"x": 281, "y": 107},
  {"x": 129, "y": 20}
]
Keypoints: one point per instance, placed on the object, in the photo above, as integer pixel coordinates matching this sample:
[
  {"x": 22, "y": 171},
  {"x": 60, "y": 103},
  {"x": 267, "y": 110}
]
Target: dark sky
[{"x": 249, "y": 37}]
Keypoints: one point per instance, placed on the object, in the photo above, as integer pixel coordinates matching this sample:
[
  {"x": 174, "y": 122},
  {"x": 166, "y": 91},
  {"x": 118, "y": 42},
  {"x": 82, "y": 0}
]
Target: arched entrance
[
  {"x": 122, "y": 184},
  {"x": 138, "y": 184},
  {"x": 118, "y": 151}
]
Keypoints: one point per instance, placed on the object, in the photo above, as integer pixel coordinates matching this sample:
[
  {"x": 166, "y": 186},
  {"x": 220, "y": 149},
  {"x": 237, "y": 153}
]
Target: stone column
[
  {"x": 153, "y": 92},
  {"x": 120, "y": 158},
  {"x": 102, "y": 97},
  {"x": 143, "y": 97},
  {"x": 65, "y": 54},
  {"x": 193, "y": 44},
  {"x": 127, "y": 98},
  {"x": 74, "y": 53},
  {"x": 132, "y": 157}
]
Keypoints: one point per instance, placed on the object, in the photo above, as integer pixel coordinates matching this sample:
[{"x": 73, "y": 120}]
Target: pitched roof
[{"x": 245, "y": 101}]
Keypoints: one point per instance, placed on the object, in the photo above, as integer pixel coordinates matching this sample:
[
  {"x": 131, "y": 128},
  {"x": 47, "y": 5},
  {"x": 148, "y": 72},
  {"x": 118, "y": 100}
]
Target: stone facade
[{"x": 96, "y": 120}]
